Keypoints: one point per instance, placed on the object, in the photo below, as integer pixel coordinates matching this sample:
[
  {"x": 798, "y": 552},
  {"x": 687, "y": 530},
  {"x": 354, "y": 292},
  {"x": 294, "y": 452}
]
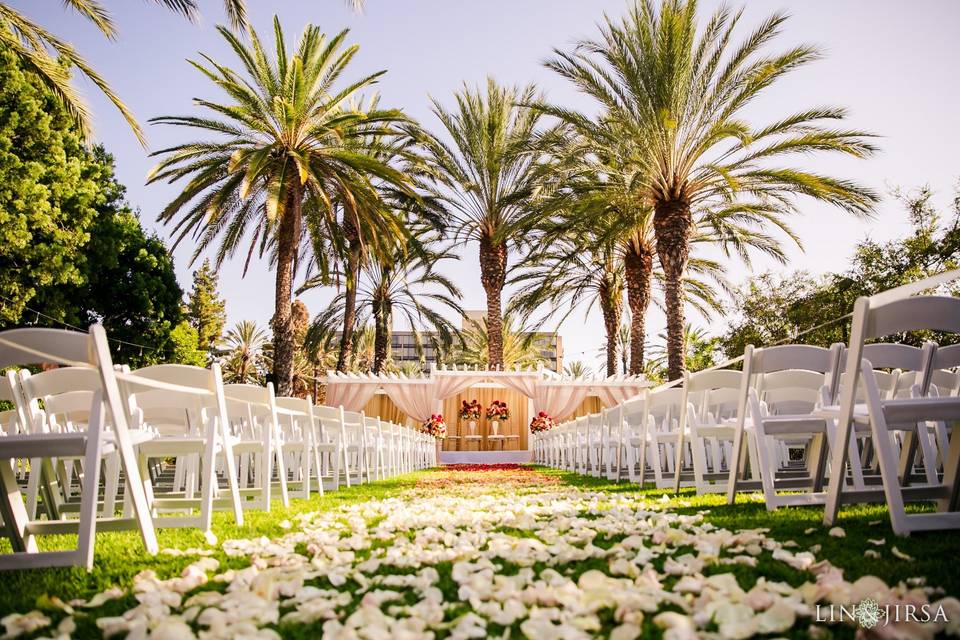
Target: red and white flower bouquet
[
  {"x": 470, "y": 410},
  {"x": 541, "y": 422},
  {"x": 436, "y": 427},
  {"x": 498, "y": 411}
]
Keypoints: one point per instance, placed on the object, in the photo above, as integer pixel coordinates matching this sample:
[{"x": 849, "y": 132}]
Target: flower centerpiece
[
  {"x": 541, "y": 422},
  {"x": 436, "y": 427},
  {"x": 496, "y": 412},
  {"x": 470, "y": 413}
]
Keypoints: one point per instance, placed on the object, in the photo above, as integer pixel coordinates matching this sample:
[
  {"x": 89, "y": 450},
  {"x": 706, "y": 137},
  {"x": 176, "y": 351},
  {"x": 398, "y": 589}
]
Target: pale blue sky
[{"x": 893, "y": 64}]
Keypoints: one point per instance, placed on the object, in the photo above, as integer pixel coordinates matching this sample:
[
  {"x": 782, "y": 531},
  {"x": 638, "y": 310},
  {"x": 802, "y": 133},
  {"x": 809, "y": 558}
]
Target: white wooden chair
[
  {"x": 881, "y": 315},
  {"x": 252, "y": 411},
  {"x": 300, "y": 452},
  {"x": 329, "y": 433},
  {"x": 372, "y": 448},
  {"x": 790, "y": 381},
  {"x": 352, "y": 442},
  {"x": 185, "y": 408},
  {"x": 707, "y": 430},
  {"x": 612, "y": 418},
  {"x": 38, "y": 346}
]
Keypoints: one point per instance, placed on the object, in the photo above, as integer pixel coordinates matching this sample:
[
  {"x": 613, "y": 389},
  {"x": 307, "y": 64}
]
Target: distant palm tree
[
  {"x": 286, "y": 139},
  {"x": 519, "y": 345},
  {"x": 488, "y": 177},
  {"x": 679, "y": 93},
  {"x": 39, "y": 49},
  {"x": 568, "y": 271},
  {"x": 404, "y": 284},
  {"x": 577, "y": 369},
  {"x": 246, "y": 346}
]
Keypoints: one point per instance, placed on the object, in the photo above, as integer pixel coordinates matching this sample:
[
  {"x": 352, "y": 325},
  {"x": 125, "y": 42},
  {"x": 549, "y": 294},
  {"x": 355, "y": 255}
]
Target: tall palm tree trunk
[
  {"x": 381, "y": 336},
  {"x": 638, "y": 271},
  {"x": 672, "y": 225},
  {"x": 493, "y": 274},
  {"x": 612, "y": 310},
  {"x": 350, "y": 295},
  {"x": 284, "y": 342}
]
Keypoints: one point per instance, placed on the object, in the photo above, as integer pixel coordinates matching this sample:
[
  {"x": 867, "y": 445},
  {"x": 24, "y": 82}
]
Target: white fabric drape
[
  {"x": 446, "y": 386},
  {"x": 611, "y": 396},
  {"x": 414, "y": 399},
  {"x": 352, "y": 396},
  {"x": 527, "y": 385},
  {"x": 559, "y": 401}
]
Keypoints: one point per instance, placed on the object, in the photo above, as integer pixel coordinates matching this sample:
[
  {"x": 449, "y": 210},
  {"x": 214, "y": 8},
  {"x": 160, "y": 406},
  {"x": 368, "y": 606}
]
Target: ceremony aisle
[{"x": 509, "y": 551}]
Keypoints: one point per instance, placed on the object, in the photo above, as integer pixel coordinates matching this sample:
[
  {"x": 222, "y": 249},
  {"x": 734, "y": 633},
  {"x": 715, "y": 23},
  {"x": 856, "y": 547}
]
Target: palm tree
[
  {"x": 577, "y": 369},
  {"x": 286, "y": 138},
  {"x": 568, "y": 271},
  {"x": 247, "y": 345},
  {"x": 519, "y": 345},
  {"x": 39, "y": 49},
  {"x": 404, "y": 283},
  {"x": 488, "y": 178},
  {"x": 679, "y": 94}
]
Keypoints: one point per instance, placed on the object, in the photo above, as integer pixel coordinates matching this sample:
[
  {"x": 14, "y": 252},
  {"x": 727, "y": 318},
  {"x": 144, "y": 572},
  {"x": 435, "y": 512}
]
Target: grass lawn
[{"x": 120, "y": 557}]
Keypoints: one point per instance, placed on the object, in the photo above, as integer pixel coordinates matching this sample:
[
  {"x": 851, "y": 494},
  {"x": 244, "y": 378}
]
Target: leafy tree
[
  {"x": 519, "y": 345},
  {"x": 70, "y": 247},
  {"x": 702, "y": 352},
  {"x": 488, "y": 179},
  {"x": 769, "y": 309},
  {"x": 678, "y": 88},
  {"x": 185, "y": 346},
  {"x": 577, "y": 369},
  {"x": 206, "y": 310},
  {"x": 285, "y": 137}
]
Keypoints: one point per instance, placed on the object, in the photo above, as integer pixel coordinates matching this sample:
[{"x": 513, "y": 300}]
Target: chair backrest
[
  {"x": 36, "y": 346},
  {"x": 59, "y": 398},
  {"x": 714, "y": 393},
  {"x": 887, "y": 314},
  {"x": 14, "y": 420},
  {"x": 184, "y": 407},
  {"x": 665, "y": 406},
  {"x": 946, "y": 357}
]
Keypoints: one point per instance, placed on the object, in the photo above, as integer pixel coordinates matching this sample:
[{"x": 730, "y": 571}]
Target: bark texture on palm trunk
[
  {"x": 284, "y": 343},
  {"x": 493, "y": 274},
  {"x": 638, "y": 269},
  {"x": 612, "y": 308},
  {"x": 350, "y": 295},
  {"x": 672, "y": 224},
  {"x": 381, "y": 336}
]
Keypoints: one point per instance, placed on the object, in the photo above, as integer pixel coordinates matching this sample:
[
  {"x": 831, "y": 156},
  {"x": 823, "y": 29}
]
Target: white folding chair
[
  {"x": 886, "y": 314},
  {"x": 185, "y": 408},
  {"x": 781, "y": 406},
  {"x": 252, "y": 410},
  {"x": 41, "y": 346},
  {"x": 332, "y": 456},
  {"x": 300, "y": 453}
]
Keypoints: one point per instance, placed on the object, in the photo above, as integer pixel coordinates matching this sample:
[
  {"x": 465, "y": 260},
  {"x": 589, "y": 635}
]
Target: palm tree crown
[
  {"x": 286, "y": 136},
  {"x": 678, "y": 93}
]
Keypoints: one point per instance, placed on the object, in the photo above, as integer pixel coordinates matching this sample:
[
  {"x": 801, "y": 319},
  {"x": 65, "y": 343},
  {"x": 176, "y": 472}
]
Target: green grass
[{"x": 120, "y": 556}]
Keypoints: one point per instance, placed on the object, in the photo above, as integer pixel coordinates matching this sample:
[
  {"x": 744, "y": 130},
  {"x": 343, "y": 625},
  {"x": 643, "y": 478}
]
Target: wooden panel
[{"x": 518, "y": 424}]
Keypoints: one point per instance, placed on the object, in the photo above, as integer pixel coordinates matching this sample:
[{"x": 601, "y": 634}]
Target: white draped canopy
[{"x": 418, "y": 398}]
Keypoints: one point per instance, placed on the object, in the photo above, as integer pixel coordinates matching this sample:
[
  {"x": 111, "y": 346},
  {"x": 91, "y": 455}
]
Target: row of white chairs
[
  {"x": 805, "y": 425},
  {"x": 90, "y": 446}
]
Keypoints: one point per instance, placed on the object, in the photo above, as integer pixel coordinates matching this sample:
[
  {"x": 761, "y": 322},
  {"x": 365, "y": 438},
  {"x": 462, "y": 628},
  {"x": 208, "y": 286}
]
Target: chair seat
[{"x": 43, "y": 444}]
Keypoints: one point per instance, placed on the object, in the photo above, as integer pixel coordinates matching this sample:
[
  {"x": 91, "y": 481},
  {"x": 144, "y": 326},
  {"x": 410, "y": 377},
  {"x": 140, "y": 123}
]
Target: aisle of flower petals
[{"x": 501, "y": 552}]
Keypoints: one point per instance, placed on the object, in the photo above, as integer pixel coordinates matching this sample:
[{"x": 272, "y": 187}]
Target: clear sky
[{"x": 893, "y": 64}]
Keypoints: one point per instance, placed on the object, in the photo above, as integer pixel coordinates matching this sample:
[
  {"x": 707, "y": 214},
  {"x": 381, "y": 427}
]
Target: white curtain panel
[
  {"x": 612, "y": 396},
  {"x": 352, "y": 396},
  {"x": 416, "y": 399},
  {"x": 450, "y": 385},
  {"x": 527, "y": 385},
  {"x": 559, "y": 400}
]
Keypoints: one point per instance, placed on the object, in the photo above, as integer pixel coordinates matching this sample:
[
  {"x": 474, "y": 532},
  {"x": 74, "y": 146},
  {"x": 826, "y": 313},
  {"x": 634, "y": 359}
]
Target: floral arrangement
[
  {"x": 470, "y": 410},
  {"x": 436, "y": 427},
  {"x": 541, "y": 422},
  {"x": 498, "y": 411}
]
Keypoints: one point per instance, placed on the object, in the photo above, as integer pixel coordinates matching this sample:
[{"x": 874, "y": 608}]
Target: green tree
[
  {"x": 185, "y": 346},
  {"x": 771, "y": 308},
  {"x": 286, "y": 136},
  {"x": 206, "y": 310},
  {"x": 519, "y": 345},
  {"x": 679, "y": 91},
  {"x": 70, "y": 246},
  {"x": 488, "y": 178}
]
